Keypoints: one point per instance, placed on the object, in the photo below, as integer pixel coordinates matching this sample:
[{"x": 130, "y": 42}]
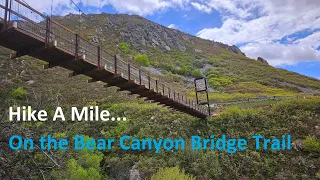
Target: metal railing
[{"x": 46, "y": 30}]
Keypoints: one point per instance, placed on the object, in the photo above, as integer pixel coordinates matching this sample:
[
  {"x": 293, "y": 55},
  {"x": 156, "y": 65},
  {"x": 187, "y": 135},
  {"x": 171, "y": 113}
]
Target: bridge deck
[{"x": 55, "y": 44}]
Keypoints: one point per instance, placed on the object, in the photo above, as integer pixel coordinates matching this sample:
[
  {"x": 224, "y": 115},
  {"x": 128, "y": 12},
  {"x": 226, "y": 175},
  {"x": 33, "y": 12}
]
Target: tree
[{"x": 142, "y": 59}]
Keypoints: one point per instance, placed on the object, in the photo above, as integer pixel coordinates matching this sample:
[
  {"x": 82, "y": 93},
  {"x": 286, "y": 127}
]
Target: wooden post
[
  {"x": 209, "y": 110},
  {"x": 169, "y": 92},
  {"x": 195, "y": 86},
  {"x": 149, "y": 83}
]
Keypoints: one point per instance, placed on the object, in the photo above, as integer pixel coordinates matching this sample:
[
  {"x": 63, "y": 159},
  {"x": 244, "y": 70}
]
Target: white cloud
[
  {"x": 201, "y": 7},
  {"x": 140, "y": 7},
  {"x": 238, "y": 8},
  {"x": 281, "y": 54},
  {"x": 274, "y": 21},
  {"x": 173, "y": 26}
]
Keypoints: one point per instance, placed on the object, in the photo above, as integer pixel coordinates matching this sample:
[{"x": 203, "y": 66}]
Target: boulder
[{"x": 262, "y": 60}]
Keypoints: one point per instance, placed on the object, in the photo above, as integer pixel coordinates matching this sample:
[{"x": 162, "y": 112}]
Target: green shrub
[
  {"x": 185, "y": 70},
  {"x": 312, "y": 144},
  {"x": 173, "y": 173},
  {"x": 196, "y": 73},
  {"x": 142, "y": 59},
  {"x": 19, "y": 93},
  {"x": 124, "y": 47},
  {"x": 219, "y": 82}
]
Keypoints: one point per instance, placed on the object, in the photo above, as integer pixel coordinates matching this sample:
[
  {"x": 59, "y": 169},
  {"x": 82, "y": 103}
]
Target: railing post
[
  {"x": 163, "y": 89},
  {"x": 116, "y": 65},
  {"x": 77, "y": 47},
  {"x": 140, "y": 77},
  {"x": 47, "y": 30},
  {"x": 149, "y": 83},
  {"x": 169, "y": 92},
  {"x": 157, "y": 86},
  {"x": 129, "y": 72},
  {"x": 99, "y": 57}
]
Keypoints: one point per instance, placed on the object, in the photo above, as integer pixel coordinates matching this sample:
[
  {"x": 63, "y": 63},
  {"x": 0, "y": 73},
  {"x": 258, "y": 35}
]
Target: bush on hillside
[
  {"x": 312, "y": 144},
  {"x": 196, "y": 73},
  {"x": 19, "y": 93},
  {"x": 124, "y": 47},
  {"x": 142, "y": 59},
  {"x": 173, "y": 173}
]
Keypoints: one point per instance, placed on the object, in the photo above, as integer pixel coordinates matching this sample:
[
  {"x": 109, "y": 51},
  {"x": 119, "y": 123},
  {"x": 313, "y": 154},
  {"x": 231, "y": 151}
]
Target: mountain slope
[{"x": 176, "y": 56}]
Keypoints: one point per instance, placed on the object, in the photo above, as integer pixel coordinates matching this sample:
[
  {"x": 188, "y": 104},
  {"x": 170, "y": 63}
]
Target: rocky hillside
[
  {"x": 139, "y": 32},
  {"x": 179, "y": 57}
]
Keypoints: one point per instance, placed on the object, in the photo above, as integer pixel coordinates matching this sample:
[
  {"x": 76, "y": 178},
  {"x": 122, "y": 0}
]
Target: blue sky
[{"x": 286, "y": 33}]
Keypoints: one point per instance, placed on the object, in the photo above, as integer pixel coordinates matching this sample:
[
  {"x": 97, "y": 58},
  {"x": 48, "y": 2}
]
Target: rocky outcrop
[
  {"x": 262, "y": 60},
  {"x": 140, "y": 32},
  {"x": 233, "y": 48}
]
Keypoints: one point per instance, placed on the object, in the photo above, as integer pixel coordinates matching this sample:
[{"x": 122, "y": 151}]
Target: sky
[{"x": 284, "y": 32}]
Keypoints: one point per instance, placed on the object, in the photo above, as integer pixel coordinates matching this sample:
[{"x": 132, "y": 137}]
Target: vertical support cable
[
  {"x": 6, "y": 15},
  {"x": 9, "y": 10}
]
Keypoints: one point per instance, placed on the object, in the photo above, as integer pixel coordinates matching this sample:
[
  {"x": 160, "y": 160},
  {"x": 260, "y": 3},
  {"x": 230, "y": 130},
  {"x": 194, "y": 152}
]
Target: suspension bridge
[{"x": 29, "y": 32}]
